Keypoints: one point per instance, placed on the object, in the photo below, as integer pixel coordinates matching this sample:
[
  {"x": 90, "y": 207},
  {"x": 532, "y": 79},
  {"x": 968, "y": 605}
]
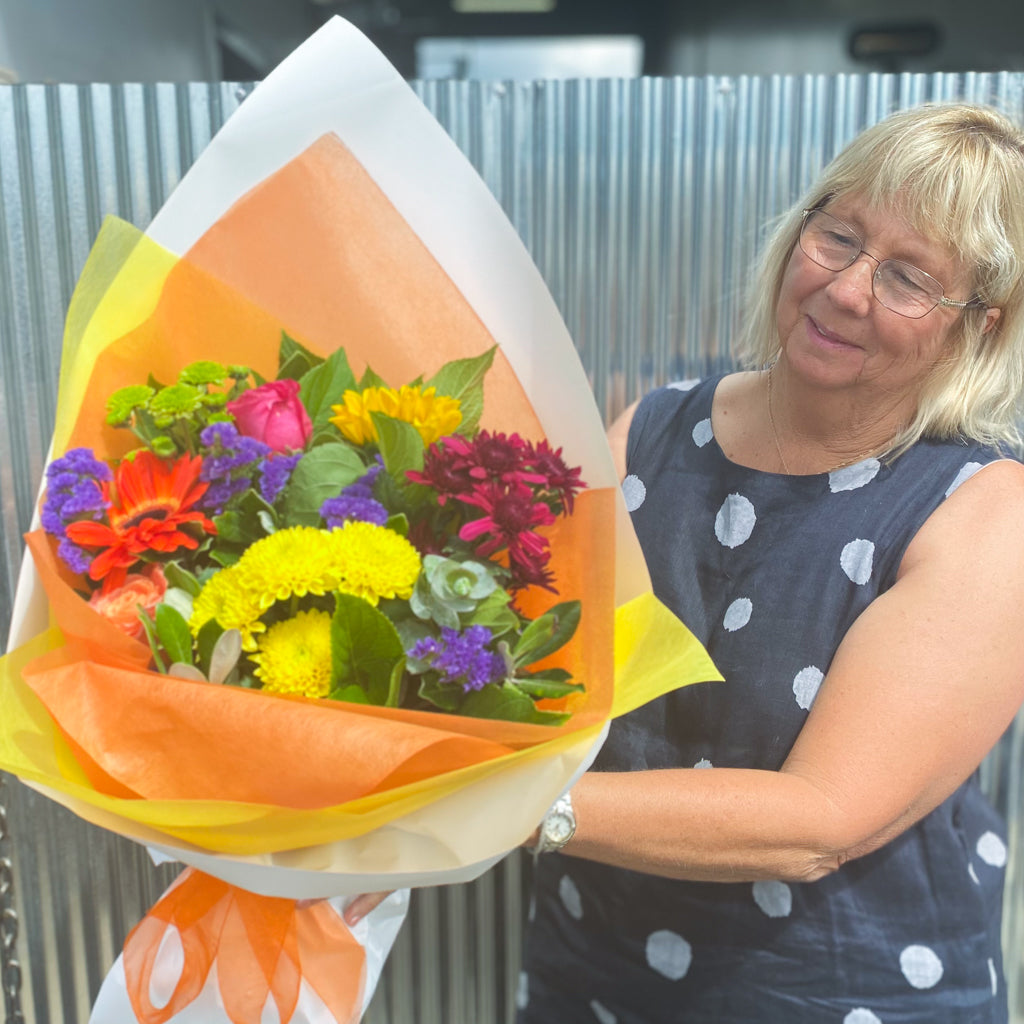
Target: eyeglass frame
[{"x": 975, "y": 303}]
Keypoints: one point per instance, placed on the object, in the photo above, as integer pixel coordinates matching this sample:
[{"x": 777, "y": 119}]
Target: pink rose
[
  {"x": 273, "y": 414},
  {"x": 121, "y": 605}
]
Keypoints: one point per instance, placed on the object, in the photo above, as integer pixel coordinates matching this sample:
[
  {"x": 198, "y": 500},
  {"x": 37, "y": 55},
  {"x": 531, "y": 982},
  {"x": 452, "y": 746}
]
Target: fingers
[{"x": 362, "y": 905}]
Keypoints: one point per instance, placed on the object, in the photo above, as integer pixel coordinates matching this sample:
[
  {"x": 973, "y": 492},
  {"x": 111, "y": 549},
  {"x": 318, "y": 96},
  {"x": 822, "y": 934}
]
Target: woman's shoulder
[{"x": 670, "y": 408}]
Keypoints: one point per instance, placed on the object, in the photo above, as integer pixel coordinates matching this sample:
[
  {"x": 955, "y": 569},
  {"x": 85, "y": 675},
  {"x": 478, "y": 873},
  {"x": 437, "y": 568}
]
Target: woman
[{"x": 842, "y": 528}]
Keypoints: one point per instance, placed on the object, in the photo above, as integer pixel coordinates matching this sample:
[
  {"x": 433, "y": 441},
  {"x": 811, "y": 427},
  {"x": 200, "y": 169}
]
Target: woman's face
[{"x": 836, "y": 334}]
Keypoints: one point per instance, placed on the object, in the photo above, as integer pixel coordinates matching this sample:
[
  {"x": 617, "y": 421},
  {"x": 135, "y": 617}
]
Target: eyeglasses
[{"x": 899, "y": 286}]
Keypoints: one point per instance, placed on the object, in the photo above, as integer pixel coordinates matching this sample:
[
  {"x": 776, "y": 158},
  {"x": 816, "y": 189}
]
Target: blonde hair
[{"x": 955, "y": 173}]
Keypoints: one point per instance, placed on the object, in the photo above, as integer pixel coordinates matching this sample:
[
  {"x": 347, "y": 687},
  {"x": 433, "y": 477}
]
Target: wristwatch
[{"x": 557, "y": 827}]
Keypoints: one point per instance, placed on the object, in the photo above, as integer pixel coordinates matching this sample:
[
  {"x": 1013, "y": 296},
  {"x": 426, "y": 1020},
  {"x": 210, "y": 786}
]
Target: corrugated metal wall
[{"x": 642, "y": 202}]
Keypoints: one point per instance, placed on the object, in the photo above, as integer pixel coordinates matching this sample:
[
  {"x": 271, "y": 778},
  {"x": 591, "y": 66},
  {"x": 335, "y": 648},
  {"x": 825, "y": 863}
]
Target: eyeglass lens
[{"x": 898, "y": 286}]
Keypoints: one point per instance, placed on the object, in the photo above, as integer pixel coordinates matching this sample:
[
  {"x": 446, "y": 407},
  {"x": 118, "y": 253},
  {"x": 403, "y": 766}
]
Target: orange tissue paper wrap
[{"x": 333, "y": 207}]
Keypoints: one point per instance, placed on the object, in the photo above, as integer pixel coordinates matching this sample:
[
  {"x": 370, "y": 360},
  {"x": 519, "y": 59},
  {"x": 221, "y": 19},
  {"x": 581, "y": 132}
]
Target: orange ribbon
[{"x": 264, "y": 947}]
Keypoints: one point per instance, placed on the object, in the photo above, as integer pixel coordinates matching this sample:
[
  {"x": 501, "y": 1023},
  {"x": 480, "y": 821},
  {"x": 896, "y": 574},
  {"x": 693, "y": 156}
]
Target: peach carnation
[{"x": 121, "y": 605}]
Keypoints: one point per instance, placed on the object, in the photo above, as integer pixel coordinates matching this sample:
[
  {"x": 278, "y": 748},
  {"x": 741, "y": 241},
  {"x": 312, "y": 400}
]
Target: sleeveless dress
[{"x": 770, "y": 571}]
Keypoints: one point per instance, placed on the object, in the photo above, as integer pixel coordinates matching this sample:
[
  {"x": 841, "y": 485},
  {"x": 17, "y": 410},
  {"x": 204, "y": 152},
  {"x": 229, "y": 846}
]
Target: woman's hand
[
  {"x": 357, "y": 909},
  {"x": 363, "y": 905}
]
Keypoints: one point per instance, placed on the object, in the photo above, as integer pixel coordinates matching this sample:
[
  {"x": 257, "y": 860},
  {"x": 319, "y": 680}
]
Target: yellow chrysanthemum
[
  {"x": 226, "y": 600},
  {"x": 364, "y": 559},
  {"x": 295, "y": 656},
  {"x": 375, "y": 562},
  {"x": 431, "y": 414},
  {"x": 294, "y": 562}
]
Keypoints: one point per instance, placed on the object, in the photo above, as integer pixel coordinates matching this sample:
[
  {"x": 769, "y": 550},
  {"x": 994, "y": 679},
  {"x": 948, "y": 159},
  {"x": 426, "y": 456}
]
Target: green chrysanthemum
[
  {"x": 295, "y": 656},
  {"x": 176, "y": 400},
  {"x": 123, "y": 402},
  {"x": 203, "y": 372}
]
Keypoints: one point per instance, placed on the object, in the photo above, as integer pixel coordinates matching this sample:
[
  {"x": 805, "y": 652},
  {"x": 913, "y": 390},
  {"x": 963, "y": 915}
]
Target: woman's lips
[{"x": 826, "y": 336}]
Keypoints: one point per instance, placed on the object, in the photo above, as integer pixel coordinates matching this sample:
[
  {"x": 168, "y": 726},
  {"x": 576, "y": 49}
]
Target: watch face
[{"x": 559, "y": 828}]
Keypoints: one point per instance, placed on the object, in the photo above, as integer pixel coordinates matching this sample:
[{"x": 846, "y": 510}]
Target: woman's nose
[{"x": 852, "y": 288}]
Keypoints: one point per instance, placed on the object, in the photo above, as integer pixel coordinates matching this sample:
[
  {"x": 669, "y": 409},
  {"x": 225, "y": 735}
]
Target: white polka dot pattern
[
  {"x": 861, "y": 1016},
  {"x": 570, "y": 897},
  {"x": 920, "y": 966},
  {"x": 805, "y": 686},
  {"x": 992, "y": 850},
  {"x": 968, "y": 470},
  {"x": 702, "y": 433},
  {"x": 857, "y": 559},
  {"x": 849, "y": 478},
  {"x": 774, "y": 898},
  {"x": 523, "y": 991},
  {"x": 602, "y": 1013},
  {"x": 634, "y": 491},
  {"x": 735, "y": 521},
  {"x": 669, "y": 954},
  {"x": 737, "y": 615},
  {"x": 973, "y": 874}
]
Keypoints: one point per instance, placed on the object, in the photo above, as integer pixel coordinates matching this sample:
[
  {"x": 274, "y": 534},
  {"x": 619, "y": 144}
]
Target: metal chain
[{"x": 10, "y": 969}]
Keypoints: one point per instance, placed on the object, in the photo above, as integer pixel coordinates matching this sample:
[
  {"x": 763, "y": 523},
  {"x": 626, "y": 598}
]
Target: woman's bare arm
[{"x": 926, "y": 681}]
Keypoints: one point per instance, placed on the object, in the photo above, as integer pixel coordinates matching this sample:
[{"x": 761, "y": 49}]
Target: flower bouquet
[{"x": 320, "y": 603}]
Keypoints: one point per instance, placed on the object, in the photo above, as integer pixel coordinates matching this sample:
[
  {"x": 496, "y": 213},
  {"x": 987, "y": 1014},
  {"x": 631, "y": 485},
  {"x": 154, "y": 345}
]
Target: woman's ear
[{"x": 992, "y": 314}]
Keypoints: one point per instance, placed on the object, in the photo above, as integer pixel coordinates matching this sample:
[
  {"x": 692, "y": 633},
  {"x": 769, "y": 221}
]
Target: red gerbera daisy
[{"x": 148, "y": 502}]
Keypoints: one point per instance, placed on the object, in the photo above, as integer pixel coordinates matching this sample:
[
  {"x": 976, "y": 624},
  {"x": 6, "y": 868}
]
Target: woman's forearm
[{"x": 714, "y": 824}]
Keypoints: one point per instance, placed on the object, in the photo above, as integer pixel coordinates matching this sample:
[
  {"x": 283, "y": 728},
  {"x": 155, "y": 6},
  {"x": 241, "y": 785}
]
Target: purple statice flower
[
  {"x": 229, "y": 463},
  {"x": 73, "y": 490},
  {"x": 346, "y": 507},
  {"x": 77, "y": 559},
  {"x": 462, "y": 657},
  {"x": 356, "y": 502},
  {"x": 275, "y": 472}
]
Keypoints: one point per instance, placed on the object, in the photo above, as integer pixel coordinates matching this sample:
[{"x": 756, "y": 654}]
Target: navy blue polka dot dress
[{"x": 770, "y": 571}]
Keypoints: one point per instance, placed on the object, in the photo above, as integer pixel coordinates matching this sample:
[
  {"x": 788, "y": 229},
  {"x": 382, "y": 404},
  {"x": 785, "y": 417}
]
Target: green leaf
[
  {"x": 400, "y": 445},
  {"x": 446, "y": 696},
  {"x": 323, "y": 385},
  {"x": 149, "y": 628},
  {"x": 508, "y": 703},
  {"x": 350, "y": 694},
  {"x": 548, "y": 685},
  {"x": 365, "y": 649},
  {"x": 224, "y": 656},
  {"x": 180, "y": 600},
  {"x": 319, "y": 475},
  {"x": 398, "y": 524},
  {"x": 464, "y": 379},
  {"x": 179, "y": 577},
  {"x": 229, "y": 527},
  {"x": 294, "y": 360},
  {"x": 494, "y": 613},
  {"x": 182, "y": 670},
  {"x": 547, "y": 633},
  {"x": 206, "y": 641},
  {"x": 371, "y": 380},
  {"x": 172, "y": 629}
]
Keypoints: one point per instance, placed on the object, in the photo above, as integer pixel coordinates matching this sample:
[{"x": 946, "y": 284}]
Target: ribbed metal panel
[{"x": 642, "y": 201}]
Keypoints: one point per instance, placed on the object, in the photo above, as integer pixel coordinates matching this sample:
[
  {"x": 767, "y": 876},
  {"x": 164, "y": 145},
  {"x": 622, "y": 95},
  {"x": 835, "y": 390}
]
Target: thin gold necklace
[
  {"x": 771, "y": 423},
  {"x": 877, "y": 450}
]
